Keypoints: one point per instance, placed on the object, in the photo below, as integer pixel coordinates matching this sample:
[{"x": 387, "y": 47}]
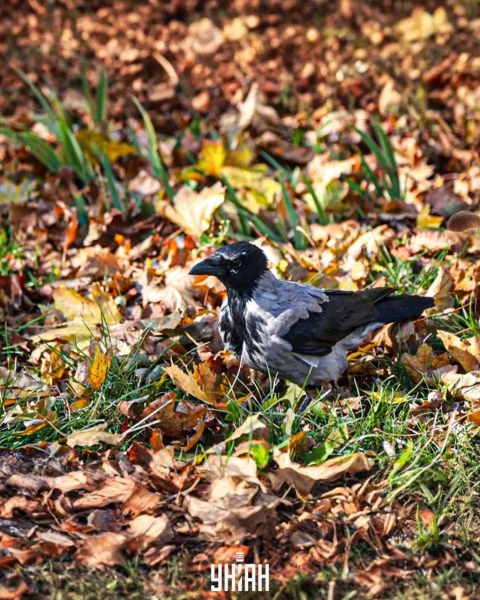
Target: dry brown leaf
[
  {"x": 8, "y": 507},
  {"x": 465, "y": 352},
  {"x": 440, "y": 290},
  {"x": 174, "y": 422},
  {"x": 230, "y": 515},
  {"x": 115, "y": 489},
  {"x": 199, "y": 384},
  {"x": 193, "y": 211},
  {"x": 14, "y": 593},
  {"x": 92, "y": 436},
  {"x": 466, "y": 386},
  {"x": 421, "y": 365},
  {"x": 150, "y": 530},
  {"x": 304, "y": 478},
  {"x": 102, "y": 550},
  {"x": 142, "y": 500}
]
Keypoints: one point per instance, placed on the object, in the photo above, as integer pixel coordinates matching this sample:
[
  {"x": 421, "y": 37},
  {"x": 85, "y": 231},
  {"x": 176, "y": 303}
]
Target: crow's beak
[{"x": 206, "y": 267}]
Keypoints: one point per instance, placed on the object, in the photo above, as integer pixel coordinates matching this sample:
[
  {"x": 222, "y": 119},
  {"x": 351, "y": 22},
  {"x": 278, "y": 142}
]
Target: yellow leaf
[
  {"x": 52, "y": 367},
  {"x": 76, "y": 307},
  {"x": 421, "y": 24},
  {"x": 212, "y": 158},
  {"x": 76, "y": 330},
  {"x": 425, "y": 220},
  {"x": 106, "y": 304},
  {"x": 89, "y": 140},
  {"x": 193, "y": 211},
  {"x": 91, "y": 373},
  {"x": 259, "y": 190},
  {"x": 92, "y": 436},
  {"x": 199, "y": 384},
  {"x": 465, "y": 352}
]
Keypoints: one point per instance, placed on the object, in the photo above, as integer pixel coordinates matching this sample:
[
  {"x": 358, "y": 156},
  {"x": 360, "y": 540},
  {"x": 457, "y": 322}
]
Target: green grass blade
[
  {"x": 276, "y": 165},
  {"x": 81, "y": 209},
  {"x": 101, "y": 100},
  {"x": 373, "y": 178},
  {"x": 73, "y": 155},
  {"x": 42, "y": 150},
  {"x": 112, "y": 188},
  {"x": 42, "y": 99},
  {"x": 322, "y": 217},
  {"x": 391, "y": 166},
  {"x": 153, "y": 153},
  {"x": 298, "y": 238},
  {"x": 87, "y": 92}
]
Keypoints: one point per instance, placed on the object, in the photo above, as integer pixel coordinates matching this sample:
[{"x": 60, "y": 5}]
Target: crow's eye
[{"x": 236, "y": 264}]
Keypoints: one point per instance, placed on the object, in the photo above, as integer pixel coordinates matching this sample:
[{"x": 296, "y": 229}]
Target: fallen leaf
[
  {"x": 92, "y": 436},
  {"x": 193, "y": 211},
  {"x": 91, "y": 140},
  {"x": 200, "y": 383},
  {"x": 426, "y": 220},
  {"x": 304, "y": 478},
  {"x": 421, "y": 365},
  {"x": 75, "y": 307},
  {"x": 150, "y": 530},
  {"x": 466, "y": 386},
  {"x": 465, "y": 352},
  {"x": 115, "y": 489},
  {"x": 212, "y": 158},
  {"x": 102, "y": 550},
  {"x": 91, "y": 372}
]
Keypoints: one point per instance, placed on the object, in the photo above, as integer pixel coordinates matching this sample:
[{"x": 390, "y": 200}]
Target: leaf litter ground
[{"x": 135, "y": 453}]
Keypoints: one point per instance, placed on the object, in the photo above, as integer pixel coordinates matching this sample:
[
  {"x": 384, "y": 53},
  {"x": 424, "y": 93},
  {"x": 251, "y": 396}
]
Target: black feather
[
  {"x": 346, "y": 312},
  {"x": 398, "y": 308}
]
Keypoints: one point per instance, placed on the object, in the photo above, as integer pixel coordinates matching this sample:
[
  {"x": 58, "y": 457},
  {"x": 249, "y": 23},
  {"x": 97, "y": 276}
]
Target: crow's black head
[{"x": 238, "y": 266}]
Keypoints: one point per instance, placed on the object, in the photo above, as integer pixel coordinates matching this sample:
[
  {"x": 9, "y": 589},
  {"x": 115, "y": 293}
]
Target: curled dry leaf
[
  {"x": 92, "y": 436},
  {"x": 234, "y": 512},
  {"x": 441, "y": 289},
  {"x": 465, "y": 352},
  {"x": 304, "y": 478},
  {"x": 465, "y": 386}
]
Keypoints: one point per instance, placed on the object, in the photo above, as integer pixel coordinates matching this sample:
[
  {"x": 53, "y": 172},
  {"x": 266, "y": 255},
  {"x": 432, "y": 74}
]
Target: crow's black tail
[{"x": 398, "y": 308}]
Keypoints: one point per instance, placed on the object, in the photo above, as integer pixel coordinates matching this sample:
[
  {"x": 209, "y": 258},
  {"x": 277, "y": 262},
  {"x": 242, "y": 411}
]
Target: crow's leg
[
  {"x": 275, "y": 389},
  {"x": 311, "y": 393}
]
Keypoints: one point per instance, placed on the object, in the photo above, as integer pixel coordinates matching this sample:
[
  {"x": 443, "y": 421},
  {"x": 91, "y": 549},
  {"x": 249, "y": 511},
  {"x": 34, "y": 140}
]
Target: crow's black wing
[{"x": 341, "y": 315}]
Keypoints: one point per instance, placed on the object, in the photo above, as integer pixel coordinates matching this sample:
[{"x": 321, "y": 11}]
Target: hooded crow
[{"x": 294, "y": 330}]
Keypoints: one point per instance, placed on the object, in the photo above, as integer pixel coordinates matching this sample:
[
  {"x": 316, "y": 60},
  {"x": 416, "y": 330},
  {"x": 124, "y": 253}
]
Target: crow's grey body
[
  {"x": 293, "y": 330},
  {"x": 270, "y": 313}
]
